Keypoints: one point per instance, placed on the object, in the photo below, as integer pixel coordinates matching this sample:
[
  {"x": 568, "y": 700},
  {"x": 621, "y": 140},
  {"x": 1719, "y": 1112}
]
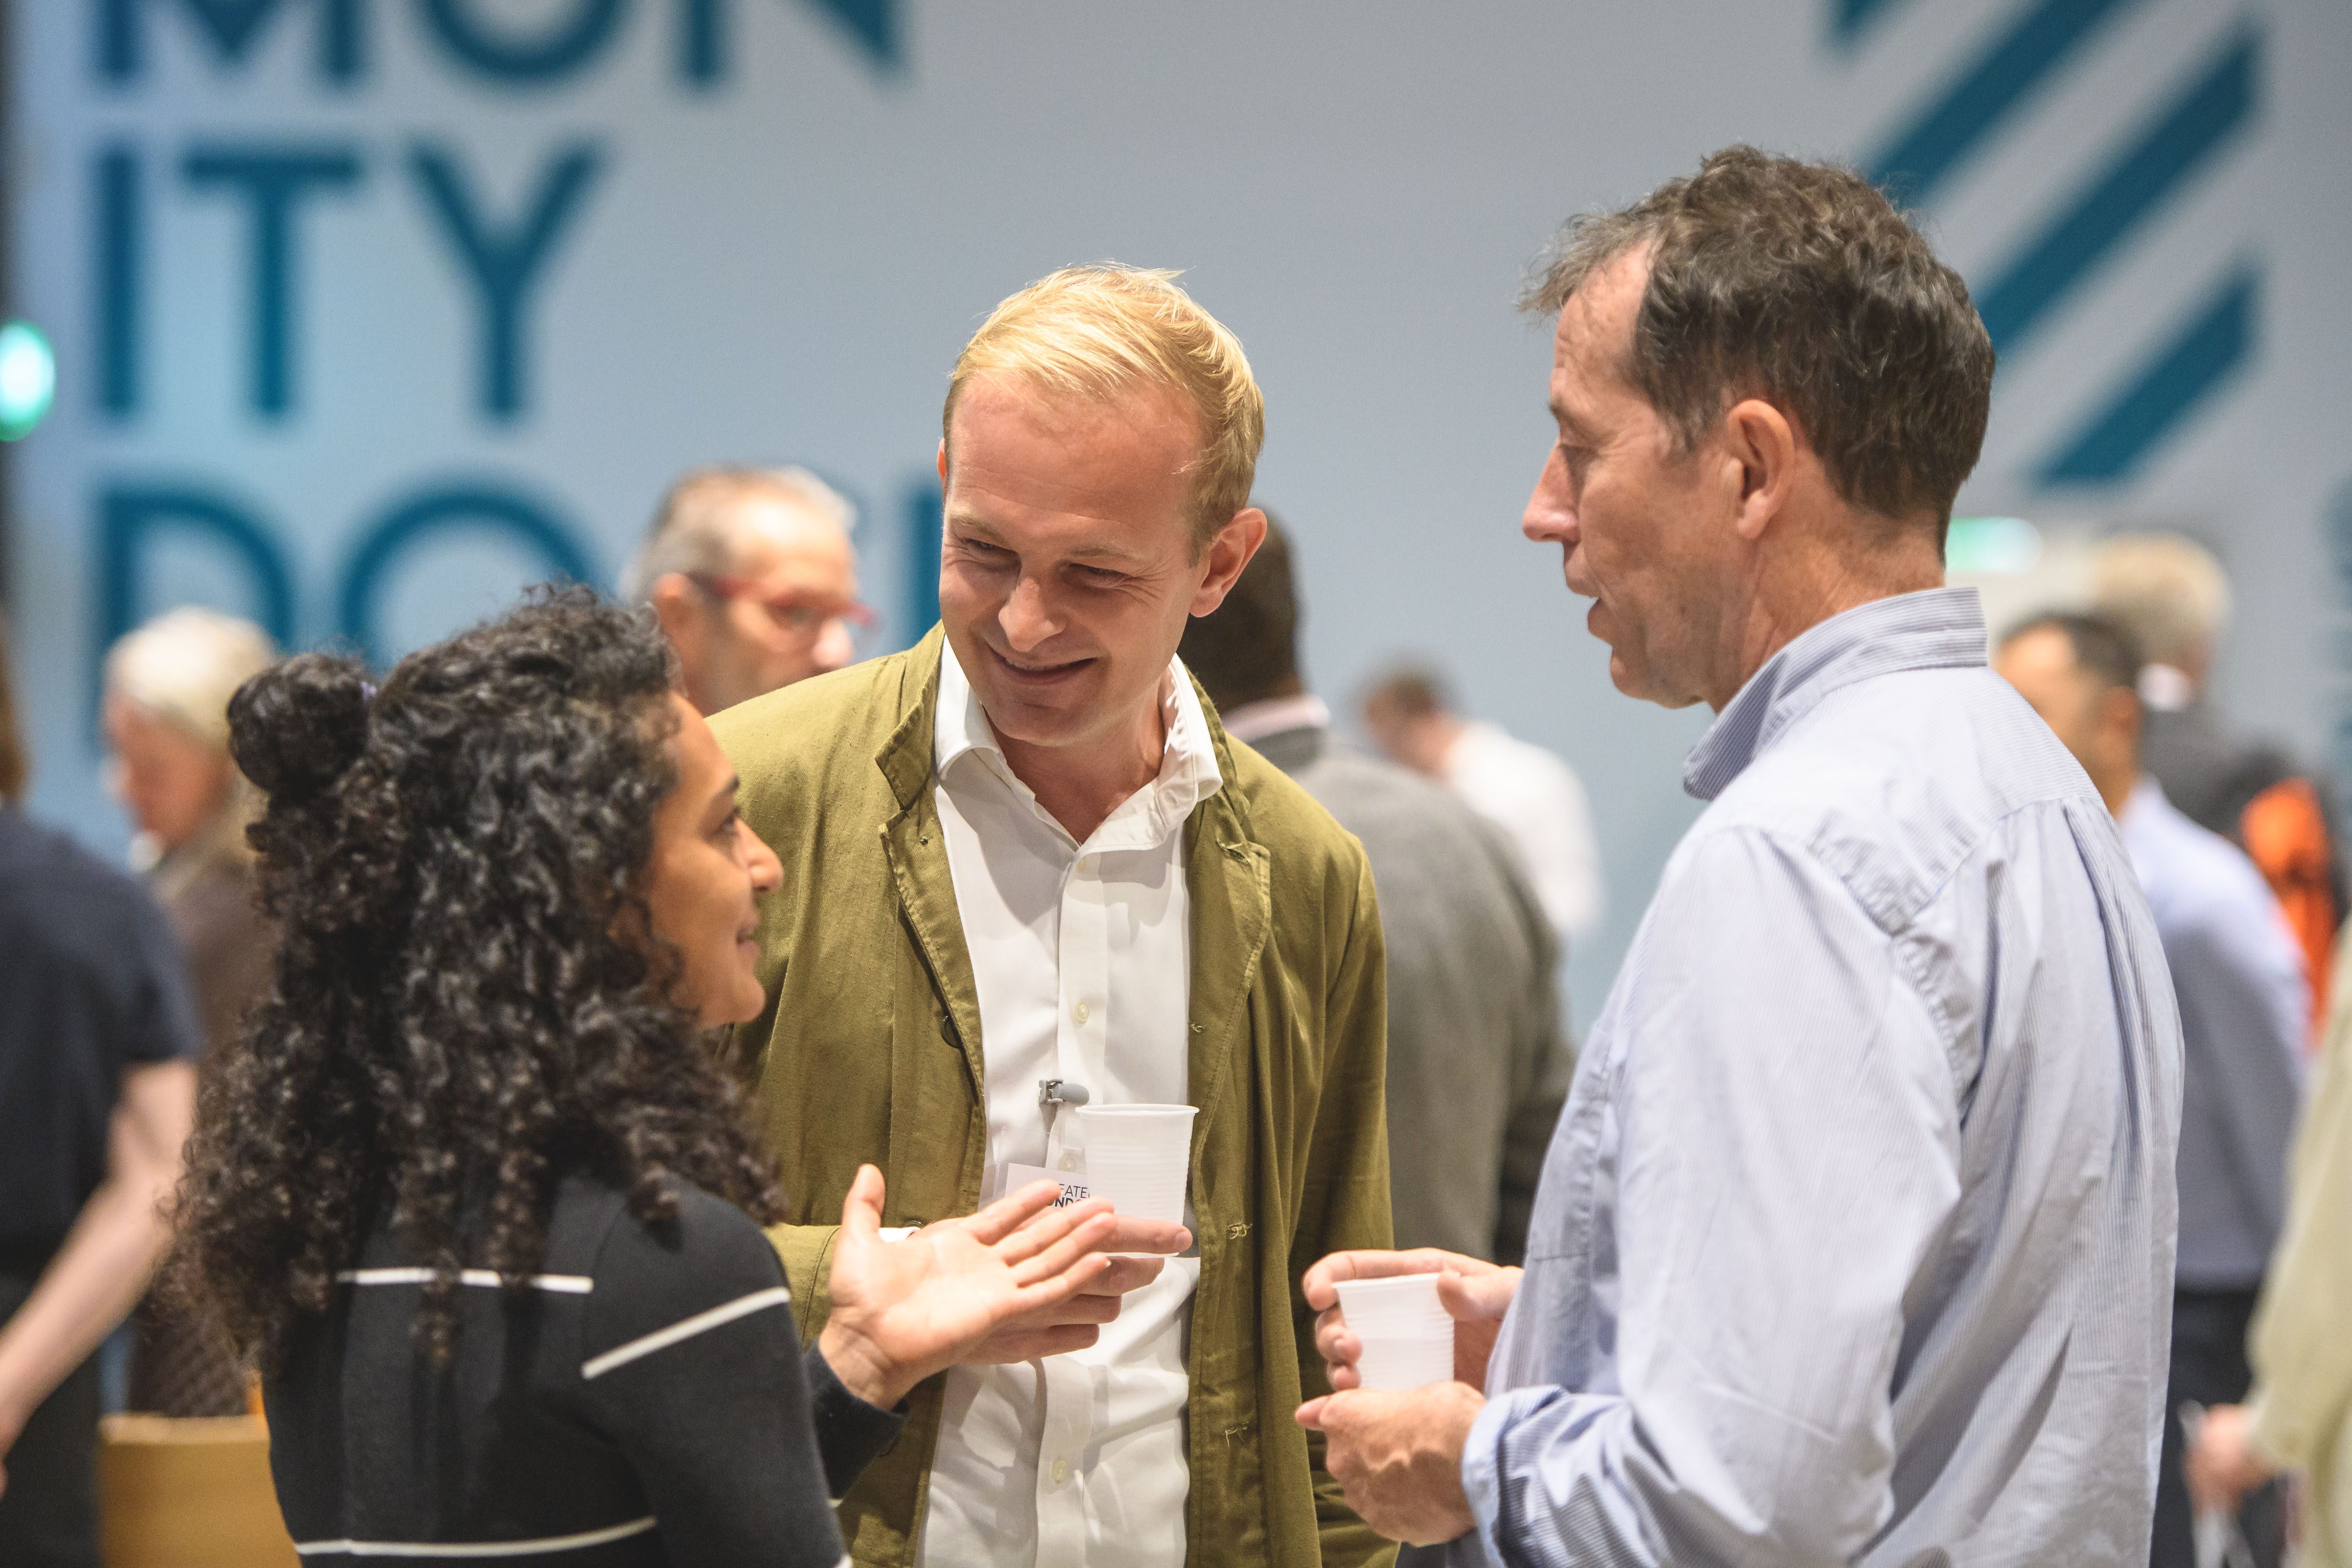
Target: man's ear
[
  {"x": 943, "y": 461},
  {"x": 2120, "y": 712},
  {"x": 1758, "y": 439},
  {"x": 1228, "y": 553},
  {"x": 676, "y": 602}
]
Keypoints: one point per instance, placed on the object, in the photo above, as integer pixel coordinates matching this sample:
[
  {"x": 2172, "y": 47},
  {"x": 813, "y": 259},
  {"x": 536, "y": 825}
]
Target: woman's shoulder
[{"x": 707, "y": 1252}]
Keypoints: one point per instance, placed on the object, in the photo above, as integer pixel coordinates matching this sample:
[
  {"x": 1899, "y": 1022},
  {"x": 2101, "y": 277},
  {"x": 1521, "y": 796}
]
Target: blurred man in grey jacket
[{"x": 1478, "y": 1065}]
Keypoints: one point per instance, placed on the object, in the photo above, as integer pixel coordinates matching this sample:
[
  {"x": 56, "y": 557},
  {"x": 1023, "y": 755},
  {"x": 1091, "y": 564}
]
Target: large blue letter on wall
[
  {"x": 559, "y": 50},
  {"x": 232, "y": 25},
  {"x": 117, "y": 290},
  {"x": 504, "y": 260},
  {"x": 272, "y": 180},
  {"x": 456, "y": 508},
  {"x": 131, "y": 517}
]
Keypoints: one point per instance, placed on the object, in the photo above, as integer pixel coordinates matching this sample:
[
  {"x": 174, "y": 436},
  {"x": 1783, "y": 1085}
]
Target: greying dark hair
[
  {"x": 462, "y": 1008},
  {"x": 1799, "y": 282},
  {"x": 2103, "y": 649}
]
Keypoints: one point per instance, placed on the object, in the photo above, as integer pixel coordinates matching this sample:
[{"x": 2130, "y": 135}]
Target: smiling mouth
[{"x": 1038, "y": 671}]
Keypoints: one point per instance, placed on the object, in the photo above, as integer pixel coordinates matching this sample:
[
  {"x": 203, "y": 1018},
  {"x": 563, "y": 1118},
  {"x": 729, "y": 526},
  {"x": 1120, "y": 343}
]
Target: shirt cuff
[
  {"x": 850, "y": 1433},
  {"x": 2278, "y": 1449},
  {"x": 1482, "y": 1462}
]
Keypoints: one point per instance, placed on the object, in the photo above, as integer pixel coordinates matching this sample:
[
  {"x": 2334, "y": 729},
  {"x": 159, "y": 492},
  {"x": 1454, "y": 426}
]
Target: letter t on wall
[
  {"x": 504, "y": 260},
  {"x": 272, "y": 179}
]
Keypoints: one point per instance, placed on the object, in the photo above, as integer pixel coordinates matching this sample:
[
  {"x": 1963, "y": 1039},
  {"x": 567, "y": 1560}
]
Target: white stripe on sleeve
[
  {"x": 661, "y": 1339},
  {"x": 476, "y": 1548},
  {"x": 562, "y": 1284}
]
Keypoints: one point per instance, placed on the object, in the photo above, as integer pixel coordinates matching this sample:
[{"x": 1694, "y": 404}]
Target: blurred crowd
[{"x": 118, "y": 983}]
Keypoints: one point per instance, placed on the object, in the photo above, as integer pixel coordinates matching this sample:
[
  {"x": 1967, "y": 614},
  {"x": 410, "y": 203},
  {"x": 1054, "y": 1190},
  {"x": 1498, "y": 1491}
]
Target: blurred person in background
[
  {"x": 2239, "y": 981},
  {"x": 1522, "y": 789},
  {"x": 471, "y": 1188},
  {"x": 1478, "y": 1065},
  {"x": 2298, "y": 1414},
  {"x": 1855, "y": 1243},
  {"x": 2171, "y": 595},
  {"x": 98, "y": 1033},
  {"x": 754, "y": 578},
  {"x": 166, "y": 692}
]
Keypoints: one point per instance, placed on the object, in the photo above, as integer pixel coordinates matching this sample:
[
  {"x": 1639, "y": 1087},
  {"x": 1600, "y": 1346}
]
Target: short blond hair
[
  {"x": 183, "y": 668},
  {"x": 2169, "y": 592},
  {"x": 1097, "y": 332}
]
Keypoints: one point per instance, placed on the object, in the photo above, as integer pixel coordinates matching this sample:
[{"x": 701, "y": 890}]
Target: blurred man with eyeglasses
[{"x": 754, "y": 578}]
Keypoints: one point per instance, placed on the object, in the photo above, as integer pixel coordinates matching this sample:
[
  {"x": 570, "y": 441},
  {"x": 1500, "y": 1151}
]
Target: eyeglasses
[{"x": 802, "y": 614}]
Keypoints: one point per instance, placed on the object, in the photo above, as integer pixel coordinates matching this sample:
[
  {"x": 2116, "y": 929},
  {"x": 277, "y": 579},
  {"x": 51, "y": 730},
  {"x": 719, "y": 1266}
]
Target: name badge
[{"x": 1073, "y": 1182}]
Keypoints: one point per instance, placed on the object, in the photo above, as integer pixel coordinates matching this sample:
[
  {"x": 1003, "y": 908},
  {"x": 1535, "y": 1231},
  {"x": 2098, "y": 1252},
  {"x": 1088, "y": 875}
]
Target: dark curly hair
[{"x": 459, "y": 1012}]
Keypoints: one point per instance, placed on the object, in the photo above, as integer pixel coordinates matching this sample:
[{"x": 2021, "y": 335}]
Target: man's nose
[
  {"x": 1027, "y": 618},
  {"x": 832, "y": 645},
  {"x": 1550, "y": 517}
]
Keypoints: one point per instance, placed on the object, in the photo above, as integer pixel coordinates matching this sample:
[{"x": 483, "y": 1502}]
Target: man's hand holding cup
[{"x": 1397, "y": 1453}]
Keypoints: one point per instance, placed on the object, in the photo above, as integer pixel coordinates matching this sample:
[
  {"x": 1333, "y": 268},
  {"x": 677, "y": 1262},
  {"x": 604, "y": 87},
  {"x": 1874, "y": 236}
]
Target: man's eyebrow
[
  {"x": 1108, "y": 550},
  {"x": 1101, "y": 550}
]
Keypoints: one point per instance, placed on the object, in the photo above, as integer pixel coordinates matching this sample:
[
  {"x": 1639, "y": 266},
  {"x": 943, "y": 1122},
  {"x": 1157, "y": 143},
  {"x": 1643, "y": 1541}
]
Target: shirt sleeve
[
  {"x": 850, "y": 1433},
  {"x": 2239, "y": 980},
  {"x": 2302, "y": 1356},
  {"x": 156, "y": 1017},
  {"x": 691, "y": 1366},
  {"x": 1788, "y": 1148}
]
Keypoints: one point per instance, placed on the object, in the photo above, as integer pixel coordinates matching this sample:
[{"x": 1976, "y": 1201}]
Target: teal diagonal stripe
[
  {"x": 873, "y": 22},
  {"x": 2149, "y": 173},
  {"x": 1919, "y": 157},
  {"x": 1849, "y": 18},
  {"x": 2216, "y": 341}
]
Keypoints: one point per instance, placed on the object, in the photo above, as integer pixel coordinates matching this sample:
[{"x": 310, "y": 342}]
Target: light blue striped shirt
[{"x": 1854, "y": 1242}]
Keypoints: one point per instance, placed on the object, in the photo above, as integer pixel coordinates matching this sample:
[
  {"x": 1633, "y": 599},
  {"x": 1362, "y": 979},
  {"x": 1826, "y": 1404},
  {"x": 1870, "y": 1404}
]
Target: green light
[
  {"x": 1992, "y": 547},
  {"x": 28, "y": 378}
]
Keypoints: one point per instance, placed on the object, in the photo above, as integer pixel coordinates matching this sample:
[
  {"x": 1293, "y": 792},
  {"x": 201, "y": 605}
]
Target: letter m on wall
[{"x": 231, "y": 26}]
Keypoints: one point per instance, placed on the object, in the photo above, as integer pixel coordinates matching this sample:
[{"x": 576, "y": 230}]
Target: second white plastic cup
[
  {"x": 1138, "y": 1156},
  {"x": 1406, "y": 1331}
]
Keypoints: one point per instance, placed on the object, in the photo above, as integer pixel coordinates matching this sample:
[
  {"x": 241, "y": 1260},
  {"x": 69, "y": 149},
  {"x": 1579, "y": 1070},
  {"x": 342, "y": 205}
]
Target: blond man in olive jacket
[{"x": 1025, "y": 847}]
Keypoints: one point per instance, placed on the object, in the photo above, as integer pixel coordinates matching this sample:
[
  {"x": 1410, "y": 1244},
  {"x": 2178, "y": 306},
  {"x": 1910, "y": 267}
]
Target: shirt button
[
  {"x": 1061, "y": 1472},
  {"x": 1087, "y": 864},
  {"x": 1069, "y": 1162},
  {"x": 1081, "y": 1012}
]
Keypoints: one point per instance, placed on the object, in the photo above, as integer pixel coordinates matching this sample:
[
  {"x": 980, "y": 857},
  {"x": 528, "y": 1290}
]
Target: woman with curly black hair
[{"x": 471, "y": 1190}]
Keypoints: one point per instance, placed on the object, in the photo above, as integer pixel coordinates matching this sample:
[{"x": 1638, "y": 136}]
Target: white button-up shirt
[{"x": 1082, "y": 957}]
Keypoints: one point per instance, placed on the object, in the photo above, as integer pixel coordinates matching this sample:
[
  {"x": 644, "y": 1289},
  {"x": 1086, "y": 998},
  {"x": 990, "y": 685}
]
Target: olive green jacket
[{"x": 870, "y": 1050}]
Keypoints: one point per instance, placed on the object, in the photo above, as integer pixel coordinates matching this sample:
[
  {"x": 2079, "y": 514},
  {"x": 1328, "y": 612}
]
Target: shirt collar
[
  {"x": 1189, "y": 773},
  {"x": 1253, "y": 722},
  {"x": 1940, "y": 628}
]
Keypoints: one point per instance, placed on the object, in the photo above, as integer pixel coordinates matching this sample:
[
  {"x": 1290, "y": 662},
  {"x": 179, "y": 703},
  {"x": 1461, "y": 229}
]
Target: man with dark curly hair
[
  {"x": 1022, "y": 866},
  {"x": 1854, "y": 1241}
]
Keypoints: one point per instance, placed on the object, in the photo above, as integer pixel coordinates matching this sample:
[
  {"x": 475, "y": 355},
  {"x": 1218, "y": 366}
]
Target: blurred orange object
[
  {"x": 2286, "y": 834},
  {"x": 188, "y": 1493}
]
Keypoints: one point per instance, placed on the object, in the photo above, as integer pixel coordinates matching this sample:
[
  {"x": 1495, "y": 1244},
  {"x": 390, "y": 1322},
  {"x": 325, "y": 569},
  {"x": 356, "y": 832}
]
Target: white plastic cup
[
  {"x": 1138, "y": 1156},
  {"x": 1406, "y": 1331}
]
